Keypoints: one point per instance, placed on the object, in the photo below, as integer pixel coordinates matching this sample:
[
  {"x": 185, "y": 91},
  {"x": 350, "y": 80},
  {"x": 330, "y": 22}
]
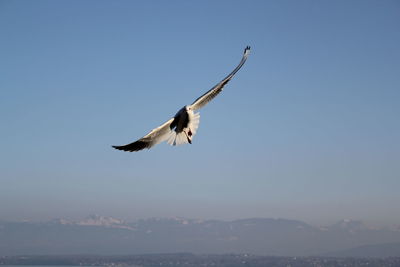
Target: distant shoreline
[{"x": 188, "y": 259}]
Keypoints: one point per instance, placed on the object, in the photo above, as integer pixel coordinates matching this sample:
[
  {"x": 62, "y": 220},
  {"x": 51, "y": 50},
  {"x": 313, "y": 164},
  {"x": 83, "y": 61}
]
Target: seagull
[{"x": 183, "y": 126}]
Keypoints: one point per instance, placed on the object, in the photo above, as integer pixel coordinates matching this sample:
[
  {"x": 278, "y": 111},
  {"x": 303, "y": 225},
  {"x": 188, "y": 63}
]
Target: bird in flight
[{"x": 183, "y": 126}]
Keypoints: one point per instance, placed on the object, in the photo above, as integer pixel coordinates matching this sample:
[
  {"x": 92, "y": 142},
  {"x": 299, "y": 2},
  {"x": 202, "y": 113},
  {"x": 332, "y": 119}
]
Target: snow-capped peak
[
  {"x": 97, "y": 220},
  {"x": 349, "y": 225},
  {"x": 104, "y": 221}
]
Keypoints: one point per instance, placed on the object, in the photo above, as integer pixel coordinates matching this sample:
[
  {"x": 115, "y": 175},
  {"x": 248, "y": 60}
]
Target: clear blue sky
[{"x": 308, "y": 129}]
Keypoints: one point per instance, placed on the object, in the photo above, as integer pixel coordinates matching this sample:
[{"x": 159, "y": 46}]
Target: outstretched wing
[
  {"x": 209, "y": 95},
  {"x": 156, "y": 136}
]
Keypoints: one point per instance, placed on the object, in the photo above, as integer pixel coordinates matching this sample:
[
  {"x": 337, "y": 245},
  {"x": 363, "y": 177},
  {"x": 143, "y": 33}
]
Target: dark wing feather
[
  {"x": 156, "y": 136},
  {"x": 210, "y": 94}
]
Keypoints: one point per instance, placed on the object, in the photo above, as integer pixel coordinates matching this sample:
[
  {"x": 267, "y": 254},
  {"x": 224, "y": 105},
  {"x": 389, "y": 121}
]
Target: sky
[{"x": 308, "y": 129}]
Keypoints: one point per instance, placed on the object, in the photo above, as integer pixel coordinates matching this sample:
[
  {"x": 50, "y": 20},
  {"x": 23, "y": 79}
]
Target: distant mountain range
[{"x": 260, "y": 236}]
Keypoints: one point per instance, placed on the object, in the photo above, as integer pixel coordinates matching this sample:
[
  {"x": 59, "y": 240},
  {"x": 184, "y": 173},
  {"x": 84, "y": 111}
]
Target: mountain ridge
[{"x": 261, "y": 236}]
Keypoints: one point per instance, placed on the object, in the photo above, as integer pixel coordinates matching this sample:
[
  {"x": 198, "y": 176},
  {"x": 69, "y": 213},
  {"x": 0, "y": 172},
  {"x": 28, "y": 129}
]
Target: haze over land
[{"x": 258, "y": 236}]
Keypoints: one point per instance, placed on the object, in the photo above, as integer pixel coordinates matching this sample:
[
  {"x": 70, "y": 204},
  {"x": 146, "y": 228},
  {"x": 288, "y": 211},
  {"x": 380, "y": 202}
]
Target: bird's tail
[{"x": 177, "y": 138}]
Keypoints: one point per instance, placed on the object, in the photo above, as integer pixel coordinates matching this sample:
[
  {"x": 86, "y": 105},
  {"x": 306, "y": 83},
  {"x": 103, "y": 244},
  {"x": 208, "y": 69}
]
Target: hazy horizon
[
  {"x": 257, "y": 236},
  {"x": 307, "y": 130},
  {"x": 131, "y": 218}
]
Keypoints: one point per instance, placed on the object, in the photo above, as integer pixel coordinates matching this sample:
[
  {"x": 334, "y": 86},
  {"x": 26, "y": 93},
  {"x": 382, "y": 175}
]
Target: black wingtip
[
  {"x": 121, "y": 148},
  {"x": 133, "y": 147},
  {"x": 118, "y": 147},
  {"x": 247, "y": 49}
]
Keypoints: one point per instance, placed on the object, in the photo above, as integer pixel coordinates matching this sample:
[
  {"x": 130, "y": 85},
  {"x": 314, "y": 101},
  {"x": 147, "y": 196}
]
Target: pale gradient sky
[{"x": 308, "y": 129}]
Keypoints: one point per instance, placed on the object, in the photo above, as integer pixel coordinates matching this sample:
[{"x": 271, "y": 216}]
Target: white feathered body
[{"x": 186, "y": 123}]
